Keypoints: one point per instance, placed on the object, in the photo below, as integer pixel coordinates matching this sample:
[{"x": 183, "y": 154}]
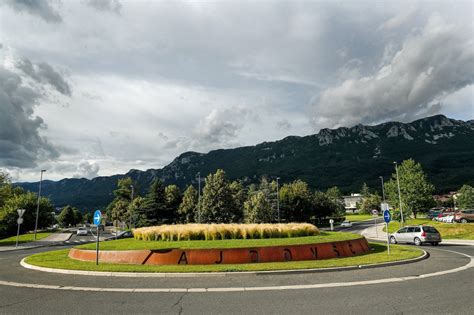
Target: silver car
[{"x": 418, "y": 234}]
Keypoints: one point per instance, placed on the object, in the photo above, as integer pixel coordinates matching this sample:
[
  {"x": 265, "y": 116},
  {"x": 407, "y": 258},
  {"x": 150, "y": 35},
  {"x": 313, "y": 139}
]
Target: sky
[{"x": 98, "y": 87}]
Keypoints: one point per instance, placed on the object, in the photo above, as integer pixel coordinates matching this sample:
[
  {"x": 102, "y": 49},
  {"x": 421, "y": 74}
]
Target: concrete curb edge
[{"x": 24, "y": 264}]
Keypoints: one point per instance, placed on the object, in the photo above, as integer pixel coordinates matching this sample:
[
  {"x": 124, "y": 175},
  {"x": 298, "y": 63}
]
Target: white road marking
[{"x": 242, "y": 289}]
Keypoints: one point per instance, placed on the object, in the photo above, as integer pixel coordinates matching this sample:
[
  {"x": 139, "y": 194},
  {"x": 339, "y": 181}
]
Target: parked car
[
  {"x": 82, "y": 231},
  {"x": 346, "y": 223},
  {"x": 464, "y": 216},
  {"x": 416, "y": 234},
  {"x": 120, "y": 235},
  {"x": 433, "y": 213}
]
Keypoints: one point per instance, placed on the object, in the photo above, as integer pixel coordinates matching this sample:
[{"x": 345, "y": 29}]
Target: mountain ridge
[{"x": 344, "y": 157}]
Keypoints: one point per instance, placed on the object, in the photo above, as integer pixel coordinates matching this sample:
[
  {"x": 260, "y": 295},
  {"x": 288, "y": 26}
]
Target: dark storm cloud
[
  {"x": 20, "y": 142},
  {"x": 41, "y": 8},
  {"x": 44, "y": 73}
]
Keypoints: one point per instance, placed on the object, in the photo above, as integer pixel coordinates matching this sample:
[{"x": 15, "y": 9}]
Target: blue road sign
[
  {"x": 97, "y": 217},
  {"x": 387, "y": 216}
]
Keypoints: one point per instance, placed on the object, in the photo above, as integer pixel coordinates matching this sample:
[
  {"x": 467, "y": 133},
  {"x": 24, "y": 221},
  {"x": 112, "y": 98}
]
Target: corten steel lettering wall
[{"x": 227, "y": 256}]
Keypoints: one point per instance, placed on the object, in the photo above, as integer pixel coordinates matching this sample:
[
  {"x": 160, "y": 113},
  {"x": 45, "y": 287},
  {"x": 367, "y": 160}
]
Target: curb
[{"x": 218, "y": 274}]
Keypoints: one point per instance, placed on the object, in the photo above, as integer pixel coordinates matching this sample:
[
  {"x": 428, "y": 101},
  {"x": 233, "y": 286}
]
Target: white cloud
[
  {"x": 429, "y": 66},
  {"x": 162, "y": 77}
]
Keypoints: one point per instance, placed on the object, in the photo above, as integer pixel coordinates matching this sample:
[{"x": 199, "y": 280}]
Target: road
[{"x": 361, "y": 291}]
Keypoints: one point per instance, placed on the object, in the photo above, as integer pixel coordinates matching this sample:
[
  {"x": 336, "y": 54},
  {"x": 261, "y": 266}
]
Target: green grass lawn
[
  {"x": 358, "y": 217},
  {"x": 59, "y": 259},
  {"x": 131, "y": 243},
  {"x": 447, "y": 230},
  {"x": 24, "y": 238}
]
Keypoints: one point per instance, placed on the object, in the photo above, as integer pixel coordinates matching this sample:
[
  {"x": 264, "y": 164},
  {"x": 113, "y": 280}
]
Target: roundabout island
[{"x": 226, "y": 248}]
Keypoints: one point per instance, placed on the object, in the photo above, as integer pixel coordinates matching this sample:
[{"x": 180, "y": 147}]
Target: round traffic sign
[
  {"x": 387, "y": 216},
  {"x": 97, "y": 217},
  {"x": 19, "y": 220}
]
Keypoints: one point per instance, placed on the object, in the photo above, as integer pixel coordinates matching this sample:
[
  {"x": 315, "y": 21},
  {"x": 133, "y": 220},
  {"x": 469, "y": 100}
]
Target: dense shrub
[{"x": 188, "y": 232}]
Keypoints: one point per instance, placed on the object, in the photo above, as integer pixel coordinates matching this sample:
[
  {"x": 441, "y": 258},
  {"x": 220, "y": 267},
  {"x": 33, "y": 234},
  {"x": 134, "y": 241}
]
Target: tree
[
  {"x": 135, "y": 216},
  {"x": 187, "y": 211},
  {"x": 322, "y": 205},
  {"x": 295, "y": 201},
  {"x": 67, "y": 217},
  {"x": 416, "y": 191},
  {"x": 364, "y": 190},
  {"x": 239, "y": 196},
  {"x": 258, "y": 208},
  {"x": 217, "y": 203},
  {"x": 124, "y": 189},
  {"x": 173, "y": 197},
  {"x": 154, "y": 208},
  {"x": 335, "y": 196},
  {"x": 369, "y": 203},
  {"x": 27, "y": 201},
  {"x": 78, "y": 217},
  {"x": 465, "y": 197},
  {"x": 117, "y": 209},
  {"x": 88, "y": 217}
]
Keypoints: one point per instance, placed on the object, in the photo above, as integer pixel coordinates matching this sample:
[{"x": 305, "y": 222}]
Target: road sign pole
[
  {"x": 17, "y": 234},
  {"x": 388, "y": 237},
  {"x": 97, "y": 220},
  {"x": 97, "y": 247},
  {"x": 387, "y": 217},
  {"x": 19, "y": 221},
  {"x": 376, "y": 231}
]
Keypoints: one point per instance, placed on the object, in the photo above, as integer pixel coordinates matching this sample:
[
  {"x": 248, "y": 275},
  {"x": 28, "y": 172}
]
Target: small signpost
[
  {"x": 97, "y": 220},
  {"x": 19, "y": 221},
  {"x": 331, "y": 221},
  {"x": 387, "y": 217}
]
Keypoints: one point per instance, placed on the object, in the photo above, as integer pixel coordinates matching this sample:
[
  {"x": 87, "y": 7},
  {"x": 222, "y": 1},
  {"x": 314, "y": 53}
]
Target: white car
[
  {"x": 82, "y": 231},
  {"x": 346, "y": 224}
]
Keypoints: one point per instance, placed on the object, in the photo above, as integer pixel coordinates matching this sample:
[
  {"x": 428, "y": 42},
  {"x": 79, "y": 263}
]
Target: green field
[
  {"x": 447, "y": 230},
  {"x": 130, "y": 243},
  {"x": 59, "y": 259},
  {"x": 24, "y": 238}
]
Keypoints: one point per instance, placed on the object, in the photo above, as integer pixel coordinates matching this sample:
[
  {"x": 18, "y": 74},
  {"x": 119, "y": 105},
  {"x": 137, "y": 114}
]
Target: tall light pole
[
  {"x": 383, "y": 190},
  {"x": 278, "y": 202},
  {"x": 38, "y": 202},
  {"x": 131, "y": 200},
  {"x": 199, "y": 197},
  {"x": 399, "y": 194}
]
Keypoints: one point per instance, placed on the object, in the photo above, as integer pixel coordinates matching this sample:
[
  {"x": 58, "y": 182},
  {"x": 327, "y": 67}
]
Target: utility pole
[
  {"x": 38, "y": 202},
  {"x": 399, "y": 194},
  {"x": 278, "y": 201}
]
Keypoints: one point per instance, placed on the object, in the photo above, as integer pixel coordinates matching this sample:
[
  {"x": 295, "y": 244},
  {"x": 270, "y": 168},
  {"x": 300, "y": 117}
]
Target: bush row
[{"x": 188, "y": 232}]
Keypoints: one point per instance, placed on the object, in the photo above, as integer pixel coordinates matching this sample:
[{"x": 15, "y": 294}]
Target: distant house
[{"x": 350, "y": 202}]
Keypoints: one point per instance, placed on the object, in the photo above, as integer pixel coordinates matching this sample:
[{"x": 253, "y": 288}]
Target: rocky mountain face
[{"x": 343, "y": 157}]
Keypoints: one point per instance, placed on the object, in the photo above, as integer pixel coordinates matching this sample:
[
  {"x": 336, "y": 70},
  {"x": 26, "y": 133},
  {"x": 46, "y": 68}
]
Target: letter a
[{"x": 183, "y": 258}]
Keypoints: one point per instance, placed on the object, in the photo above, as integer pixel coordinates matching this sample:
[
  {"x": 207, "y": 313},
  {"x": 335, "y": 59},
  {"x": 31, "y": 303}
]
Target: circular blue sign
[
  {"x": 387, "y": 216},
  {"x": 97, "y": 217}
]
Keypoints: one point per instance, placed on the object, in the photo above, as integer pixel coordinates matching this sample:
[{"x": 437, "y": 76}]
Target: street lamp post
[
  {"x": 199, "y": 197},
  {"x": 131, "y": 200},
  {"x": 278, "y": 202},
  {"x": 383, "y": 190},
  {"x": 38, "y": 203},
  {"x": 399, "y": 194}
]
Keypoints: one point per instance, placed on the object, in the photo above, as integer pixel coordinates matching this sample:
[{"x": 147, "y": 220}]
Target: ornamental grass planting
[{"x": 208, "y": 232}]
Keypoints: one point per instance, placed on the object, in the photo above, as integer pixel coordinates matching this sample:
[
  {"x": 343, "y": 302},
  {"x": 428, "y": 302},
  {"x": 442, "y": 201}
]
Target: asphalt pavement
[{"x": 413, "y": 288}]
